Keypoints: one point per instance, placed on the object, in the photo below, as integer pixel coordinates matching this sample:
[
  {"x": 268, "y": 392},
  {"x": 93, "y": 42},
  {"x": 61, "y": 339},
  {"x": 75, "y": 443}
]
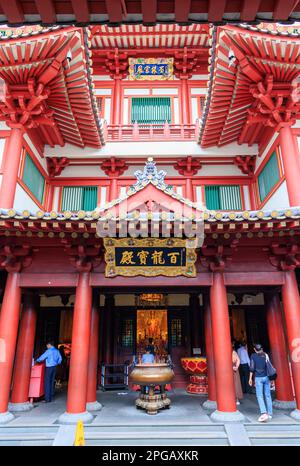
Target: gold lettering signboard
[{"x": 149, "y": 257}]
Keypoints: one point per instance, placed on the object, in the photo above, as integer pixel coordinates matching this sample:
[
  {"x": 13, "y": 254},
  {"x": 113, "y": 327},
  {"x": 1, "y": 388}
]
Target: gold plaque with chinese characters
[{"x": 150, "y": 257}]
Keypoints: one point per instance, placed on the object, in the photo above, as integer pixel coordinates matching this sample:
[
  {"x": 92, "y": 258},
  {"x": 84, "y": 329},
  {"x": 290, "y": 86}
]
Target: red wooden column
[
  {"x": 116, "y": 101},
  {"x": 11, "y": 160},
  {"x": 211, "y": 402},
  {"x": 189, "y": 189},
  {"x": 284, "y": 390},
  {"x": 291, "y": 306},
  {"x": 92, "y": 403},
  {"x": 9, "y": 322},
  {"x": 77, "y": 387},
  {"x": 185, "y": 100},
  {"x": 23, "y": 362},
  {"x": 291, "y": 163},
  {"x": 113, "y": 191},
  {"x": 226, "y": 399}
]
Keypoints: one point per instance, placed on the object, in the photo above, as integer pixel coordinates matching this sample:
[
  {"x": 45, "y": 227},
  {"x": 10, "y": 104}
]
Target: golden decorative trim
[{"x": 112, "y": 270}]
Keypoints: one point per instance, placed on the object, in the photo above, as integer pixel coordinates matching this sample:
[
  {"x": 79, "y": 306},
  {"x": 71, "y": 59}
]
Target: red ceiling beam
[
  {"x": 182, "y": 10},
  {"x": 46, "y": 10},
  {"x": 283, "y": 9},
  {"x": 149, "y": 9},
  {"x": 216, "y": 10},
  {"x": 13, "y": 10},
  {"x": 81, "y": 10},
  {"x": 249, "y": 10},
  {"x": 114, "y": 10}
]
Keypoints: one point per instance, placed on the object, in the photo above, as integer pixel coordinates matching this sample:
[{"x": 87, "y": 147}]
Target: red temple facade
[{"x": 140, "y": 125}]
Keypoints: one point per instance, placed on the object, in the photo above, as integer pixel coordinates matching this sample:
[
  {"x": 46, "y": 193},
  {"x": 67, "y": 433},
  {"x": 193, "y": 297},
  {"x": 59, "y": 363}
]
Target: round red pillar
[
  {"x": 23, "y": 361},
  {"x": 290, "y": 159},
  {"x": 77, "y": 387},
  {"x": 284, "y": 390},
  {"x": 92, "y": 403},
  {"x": 291, "y": 306},
  {"x": 9, "y": 322},
  {"x": 226, "y": 399},
  {"x": 113, "y": 192},
  {"x": 11, "y": 160},
  {"x": 185, "y": 101},
  {"x": 211, "y": 375},
  {"x": 189, "y": 189},
  {"x": 116, "y": 108}
]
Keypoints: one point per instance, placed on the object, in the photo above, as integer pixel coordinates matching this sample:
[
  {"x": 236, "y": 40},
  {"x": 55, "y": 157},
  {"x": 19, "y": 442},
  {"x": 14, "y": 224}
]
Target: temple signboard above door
[{"x": 149, "y": 257}]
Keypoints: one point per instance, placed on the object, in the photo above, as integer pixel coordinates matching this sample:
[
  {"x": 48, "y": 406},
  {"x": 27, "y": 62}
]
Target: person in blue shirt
[
  {"x": 148, "y": 356},
  {"x": 52, "y": 357}
]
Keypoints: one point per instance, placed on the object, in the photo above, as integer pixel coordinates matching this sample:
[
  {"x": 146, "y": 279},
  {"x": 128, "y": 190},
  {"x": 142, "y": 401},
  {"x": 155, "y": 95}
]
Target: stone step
[
  {"x": 159, "y": 442},
  {"x": 153, "y": 435},
  {"x": 274, "y": 434},
  {"x": 158, "y": 428}
]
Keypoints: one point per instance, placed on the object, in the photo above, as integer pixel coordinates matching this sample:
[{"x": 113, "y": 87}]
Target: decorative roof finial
[{"x": 150, "y": 174}]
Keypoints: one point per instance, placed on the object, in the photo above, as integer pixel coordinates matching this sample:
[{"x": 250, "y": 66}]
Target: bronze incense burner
[{"x": 149, "y": 376}]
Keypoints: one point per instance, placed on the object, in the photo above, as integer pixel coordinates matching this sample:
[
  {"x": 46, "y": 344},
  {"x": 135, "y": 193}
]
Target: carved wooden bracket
[
  {"x": 117, "y": 64},
  {"x": 216, "y": 257},
  {"x": 56, "y": 165},
  {"x": 188, "y": 166},
  {"x": 284, "y": 256},
  {"x": 14, "y": 258},
  {"x": 273, "y": 106},
  {"x": 246, "y": 164},
  {"x": 114, "y": 167},
  {"x": 83, "y": 258},
  {"x": 185, "y": 62}
]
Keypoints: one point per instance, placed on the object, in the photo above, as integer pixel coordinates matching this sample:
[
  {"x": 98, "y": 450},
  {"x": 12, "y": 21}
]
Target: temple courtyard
[{"x": 120, "y": 423}]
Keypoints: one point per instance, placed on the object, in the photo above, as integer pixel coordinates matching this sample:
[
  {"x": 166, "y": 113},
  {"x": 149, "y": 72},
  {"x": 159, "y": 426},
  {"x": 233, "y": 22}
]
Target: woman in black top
[{"x": 258, "y": 367}]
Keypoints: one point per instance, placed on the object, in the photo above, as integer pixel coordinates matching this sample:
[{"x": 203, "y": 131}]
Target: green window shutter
[
  {"x": 230, "y": 198},
  {"x": 76, "y": 198},
  {"x": 90, "y": 195},
  {"x": 148, "y": 110},
  {"x": 33, "y": 179},
  {"x": 268, "y": 177},
  {"x": 72, "y": 198},
  {"x": 212, "y": 198},
  {"x": 223, "y": 197}
]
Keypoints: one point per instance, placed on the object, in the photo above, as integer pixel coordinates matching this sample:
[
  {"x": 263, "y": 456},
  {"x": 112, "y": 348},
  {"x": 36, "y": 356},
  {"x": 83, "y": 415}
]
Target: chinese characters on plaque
[
  {"x": 150, "y": 68},
  {"x": 149, "y": 257}
]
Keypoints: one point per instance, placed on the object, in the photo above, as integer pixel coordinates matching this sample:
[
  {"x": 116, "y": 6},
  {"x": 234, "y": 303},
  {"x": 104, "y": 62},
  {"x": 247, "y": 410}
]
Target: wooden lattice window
[
  {"x": 33, "y": 179},
  {"x": 223, "y": 197},
  {"x": 268, "y": 177},
  {"x": 202, "y": 103},
  {"x": 150, "y": 110},
  {"x": 176, "y": 332},
  {"x": 76, "y": 198},
  {"x": 99, "y": 101},
  {"x": 126, "y": 333}
]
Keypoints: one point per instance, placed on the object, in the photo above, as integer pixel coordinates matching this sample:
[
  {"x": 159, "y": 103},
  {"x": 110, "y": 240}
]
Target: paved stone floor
[{"x": 118, "y": 408}]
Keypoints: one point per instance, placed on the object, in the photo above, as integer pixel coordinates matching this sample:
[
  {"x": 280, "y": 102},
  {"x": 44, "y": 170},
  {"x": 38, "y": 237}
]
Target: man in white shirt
[{"x": 244, "y": 367}]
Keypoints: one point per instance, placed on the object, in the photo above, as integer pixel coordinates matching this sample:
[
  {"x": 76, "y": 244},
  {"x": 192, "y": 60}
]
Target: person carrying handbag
[{"x": 264, "y": 372}]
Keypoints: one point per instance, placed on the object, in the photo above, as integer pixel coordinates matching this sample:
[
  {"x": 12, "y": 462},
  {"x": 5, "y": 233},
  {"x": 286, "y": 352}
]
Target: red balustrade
[{"x": 146, "y": 132}]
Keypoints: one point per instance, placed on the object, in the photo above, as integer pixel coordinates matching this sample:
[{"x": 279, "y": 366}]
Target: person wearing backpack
[{"x": 263, "y": 371}]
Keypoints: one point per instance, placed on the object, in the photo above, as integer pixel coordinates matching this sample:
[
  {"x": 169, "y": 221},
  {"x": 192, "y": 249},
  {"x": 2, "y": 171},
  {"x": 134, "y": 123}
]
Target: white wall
[
  {"x": 92, "y": 171},
  {"x": 2, "y": 144},
  {"x": 41, "y": 160},
  {"x": 150, "y": 148},
  {"x": 23, "y": 201},
  {"x": 279, "y": 200}
]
